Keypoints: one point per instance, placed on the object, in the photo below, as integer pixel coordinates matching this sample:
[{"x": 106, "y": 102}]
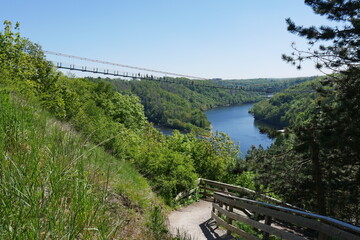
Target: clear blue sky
[{"x": 206, "y": 38}]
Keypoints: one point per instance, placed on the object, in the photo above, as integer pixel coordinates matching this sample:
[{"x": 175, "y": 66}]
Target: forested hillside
[
  {"x": 182, "y": 106},
  {"x": 289, "y": 106},
  {"x": 80, "y": 160},
  {"x": 263, "y": 85},
  {"x": 320, "y": 144},
  {"x": 315, "y": 164}
]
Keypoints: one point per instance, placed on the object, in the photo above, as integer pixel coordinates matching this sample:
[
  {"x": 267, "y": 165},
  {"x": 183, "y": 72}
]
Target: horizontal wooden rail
[
  {"x": 209, "y": 187},
  {"x": 323, "y": 227}
]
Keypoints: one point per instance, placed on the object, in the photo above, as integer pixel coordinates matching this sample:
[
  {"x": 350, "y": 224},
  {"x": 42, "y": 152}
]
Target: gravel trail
[{"x": 195, "y": 221}]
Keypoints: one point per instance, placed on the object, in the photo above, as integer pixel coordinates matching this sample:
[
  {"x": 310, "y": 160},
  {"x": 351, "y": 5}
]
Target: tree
[
  {"x": 23, "y": 66},
  {"x": 321, "y": 156},
  {"x": 343, "y": 51},
  {"x": 329, "y": 139}
]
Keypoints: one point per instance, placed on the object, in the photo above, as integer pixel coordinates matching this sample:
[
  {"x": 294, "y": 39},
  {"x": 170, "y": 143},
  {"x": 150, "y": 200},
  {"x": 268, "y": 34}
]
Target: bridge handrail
[{"x": 325, "y": 226}]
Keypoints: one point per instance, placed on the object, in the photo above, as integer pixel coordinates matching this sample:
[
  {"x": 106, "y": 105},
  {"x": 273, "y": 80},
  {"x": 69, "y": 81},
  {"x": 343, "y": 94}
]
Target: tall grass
[{"x": 53, "y": 187}]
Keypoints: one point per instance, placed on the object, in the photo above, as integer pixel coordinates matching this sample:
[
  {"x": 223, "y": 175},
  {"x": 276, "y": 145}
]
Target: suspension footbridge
[{"x": 128, "y": 72}]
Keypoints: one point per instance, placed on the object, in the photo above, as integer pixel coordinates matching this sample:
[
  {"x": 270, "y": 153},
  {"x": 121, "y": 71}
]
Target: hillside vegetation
[
  {"x": 183, "y": 106},
  {"x": 315, "y": 164},
  {"x": 289, "y": 106},
  {"x": 319, "y": 150},
  {"x": 180, "y": 106},
  {"x": 56, "y": 185},
  {"x": 80, "y": 160},
  {"x": 263, "y": 85}
]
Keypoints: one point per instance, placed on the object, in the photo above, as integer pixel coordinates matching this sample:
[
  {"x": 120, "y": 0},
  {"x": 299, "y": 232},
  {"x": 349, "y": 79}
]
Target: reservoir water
[{"x": 239, "y": 125}]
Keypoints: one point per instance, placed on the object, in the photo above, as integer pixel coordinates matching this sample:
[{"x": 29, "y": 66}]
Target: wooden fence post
[
  {"x": 226, "y": 205},
  {"x": 221, "y": 205},
  {"x": 203, "y": 184},
  {"x": 213, "y": 208},
  {"x": 229, "y": 220},
  {"x": 267, "y": 222}
]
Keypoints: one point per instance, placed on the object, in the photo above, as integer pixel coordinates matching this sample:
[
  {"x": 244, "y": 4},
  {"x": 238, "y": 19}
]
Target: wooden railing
[
  {"x": 285, "y": 222},
  {"x": 208, "y": 188}
]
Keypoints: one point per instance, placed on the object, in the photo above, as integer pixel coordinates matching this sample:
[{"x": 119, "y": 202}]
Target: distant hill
[
  {"x": 265, "y": 85},
  {"x": 289, "y": 105},
  {"x": 182, "y": 106}
]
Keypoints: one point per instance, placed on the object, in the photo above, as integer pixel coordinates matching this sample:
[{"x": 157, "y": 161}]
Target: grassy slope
[{"x": 55, "y": 185}]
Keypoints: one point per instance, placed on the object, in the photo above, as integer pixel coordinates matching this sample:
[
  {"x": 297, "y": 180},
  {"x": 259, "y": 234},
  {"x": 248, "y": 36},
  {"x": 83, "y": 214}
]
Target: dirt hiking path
[{"x": 194, "y": 222}]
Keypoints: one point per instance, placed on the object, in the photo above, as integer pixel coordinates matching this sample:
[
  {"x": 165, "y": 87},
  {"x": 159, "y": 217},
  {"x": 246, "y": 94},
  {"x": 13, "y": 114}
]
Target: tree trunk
[{"x": 317, "y": 176}]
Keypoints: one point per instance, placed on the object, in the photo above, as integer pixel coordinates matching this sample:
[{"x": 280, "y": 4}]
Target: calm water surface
[{"x": 239, "y": 125}]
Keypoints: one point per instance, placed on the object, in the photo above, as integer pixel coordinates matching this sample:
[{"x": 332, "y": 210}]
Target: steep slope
[{"x": 56, "y": 185}]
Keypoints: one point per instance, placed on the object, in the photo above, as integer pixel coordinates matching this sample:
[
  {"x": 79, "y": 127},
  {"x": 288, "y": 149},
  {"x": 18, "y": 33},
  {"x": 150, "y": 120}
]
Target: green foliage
[
  {"x": 23, "y": 65},
  {"x": 288, "y": 107},
  {"x": 264, "y": 85},
  {"x": 170, "y": 172},
  {"x": 117, "y": 122},
  {"x": 325, "y": 144},
  {"x": 316, "y": 164},
  {"x": 157, "y": 224},
  {"x": 214, "y": 157},
  {"x": 245, "y": 179},
  {"x": 122, "y": 109},
  {"x": 247, "y": 228},
  {"x": 49, "y": 185},
  {"x": 180, "y": 106},
  {"x": 343, "y": 52},
  {"x": 45, "y": 172}
]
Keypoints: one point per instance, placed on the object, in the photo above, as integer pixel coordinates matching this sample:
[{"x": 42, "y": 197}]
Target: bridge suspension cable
[
  {"x": 189, "y": 82},
  {"x": 166, "y": 76},
  {"x": 123, "y": 65}
]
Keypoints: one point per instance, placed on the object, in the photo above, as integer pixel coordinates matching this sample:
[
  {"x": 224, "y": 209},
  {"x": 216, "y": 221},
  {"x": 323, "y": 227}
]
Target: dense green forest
[
  {"x": 315, "y": 164},
  {"x": 263, "y": 85},
  {"x": 181, "y": 106},
  {"x": 289, "y": 106},
  {"x": 319, "y": 149}
]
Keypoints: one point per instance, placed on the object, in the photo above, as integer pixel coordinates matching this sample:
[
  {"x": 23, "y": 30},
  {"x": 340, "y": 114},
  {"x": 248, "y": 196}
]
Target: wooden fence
[
  {"x": 284, "y": 222},
  {"x": 208, "y": 188}
]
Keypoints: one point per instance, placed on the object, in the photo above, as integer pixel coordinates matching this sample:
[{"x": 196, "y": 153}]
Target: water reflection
[
  {"x": 260, "y": 124},
  {"x": 240, "y": 126}
]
